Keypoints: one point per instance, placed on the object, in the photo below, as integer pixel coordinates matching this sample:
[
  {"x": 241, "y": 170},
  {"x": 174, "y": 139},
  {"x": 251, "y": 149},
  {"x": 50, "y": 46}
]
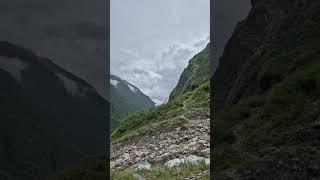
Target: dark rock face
[
  {"x": 49, "y": 117},
  {"x": 266, "y": 95}
]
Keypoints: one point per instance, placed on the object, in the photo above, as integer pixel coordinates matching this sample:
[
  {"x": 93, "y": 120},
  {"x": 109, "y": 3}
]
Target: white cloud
[
  {"x": 114, "y": 82},
  {"x": 133, "y": 89},
  {"x": 156, "y": 76},
  {"x": 152, "y": 41}
]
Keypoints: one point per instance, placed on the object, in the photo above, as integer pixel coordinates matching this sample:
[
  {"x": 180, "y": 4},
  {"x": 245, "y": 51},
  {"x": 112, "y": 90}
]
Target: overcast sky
[
  {"x": 226, "y": 15},
  {"x": 152, "y": 41},
  {"x": 72, "y": 33}
]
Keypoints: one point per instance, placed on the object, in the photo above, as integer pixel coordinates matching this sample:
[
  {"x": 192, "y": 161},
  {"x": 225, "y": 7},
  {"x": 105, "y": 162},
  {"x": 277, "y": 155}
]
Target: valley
[{"x": 170, "y": 135}]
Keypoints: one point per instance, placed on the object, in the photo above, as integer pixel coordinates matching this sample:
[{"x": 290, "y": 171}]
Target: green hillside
[
  {"x": 191, "y": 91},
  {"x": 266, "y": 94},
  {"x": 194, "y": 75}
]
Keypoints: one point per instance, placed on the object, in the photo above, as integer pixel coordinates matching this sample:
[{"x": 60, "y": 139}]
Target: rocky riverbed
[{"x": 192, "y": 139}]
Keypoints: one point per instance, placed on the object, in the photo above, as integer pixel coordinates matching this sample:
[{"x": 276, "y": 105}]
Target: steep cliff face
[
  {"x": 196, "y": 73},
  {"x": 266, "y": 94},
  {"x": 49, "y": 118}
]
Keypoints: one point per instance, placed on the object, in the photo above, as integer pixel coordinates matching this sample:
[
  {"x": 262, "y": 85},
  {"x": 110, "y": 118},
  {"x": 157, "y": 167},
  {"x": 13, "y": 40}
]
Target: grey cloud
[
  {"x": 158, "y": 75},
  {"x": 70, "y": 32},
  {"x": 88, "y": 29},
  {"x": 152, "y": 41}
]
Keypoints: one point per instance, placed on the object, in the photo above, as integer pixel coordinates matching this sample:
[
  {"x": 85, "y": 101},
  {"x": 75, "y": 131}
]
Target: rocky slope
[
  {"x": 47, "y": 116},
  {"x": 125, "y": 99},
  {"x": 191, "y": 138},
  {"x": 171, "y": 132},
  {"x": 266, "y": 95}
]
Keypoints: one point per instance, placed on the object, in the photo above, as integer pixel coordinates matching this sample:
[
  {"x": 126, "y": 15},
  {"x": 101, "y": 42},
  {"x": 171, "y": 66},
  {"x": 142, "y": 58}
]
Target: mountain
[
  {"x": 68, "y": 37},
  {"x": 125, "y": 99},
  {"x": 266, "y": 95},
  {"x": 177, "y": 129},
  {"x": 49, "y": 118},
  {"x": 155, "y": 127},
  {"x": 192, "y": 87},
  {"x": 196, "y": 73}
]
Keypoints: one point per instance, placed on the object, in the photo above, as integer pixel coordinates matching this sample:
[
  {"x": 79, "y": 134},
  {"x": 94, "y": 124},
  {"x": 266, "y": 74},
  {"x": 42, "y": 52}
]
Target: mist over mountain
[
  {"x": 73, "y": 33},
  {"x": 49, "y": 118},
  {"x": 126, "y": 98}
]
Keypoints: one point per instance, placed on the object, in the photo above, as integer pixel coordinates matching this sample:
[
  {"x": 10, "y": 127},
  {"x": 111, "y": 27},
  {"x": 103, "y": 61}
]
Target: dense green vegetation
[
  {"x": 162, "y": 172},
  {"x": 269, "y": 109},
  {"x": 196, "y": 73}
]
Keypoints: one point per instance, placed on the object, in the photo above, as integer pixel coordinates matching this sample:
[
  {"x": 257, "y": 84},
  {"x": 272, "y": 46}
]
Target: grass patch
[
  {"x": 138, "y": 122},
  {"x": 199, "y": 97},
  {"x": 163, "y": 125},
  {"x": 161, "y": 172},
  {"x": 164, "y": 117},
  {"x": 268, "y": 120}
]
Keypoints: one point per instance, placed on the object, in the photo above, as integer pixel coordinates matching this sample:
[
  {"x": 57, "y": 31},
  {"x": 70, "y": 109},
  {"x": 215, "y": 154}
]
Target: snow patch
[
  {"x": 114, "y": 82},
  {"x": 14, "y": 66},
  {"x": 142, "y": 165},
  {"x": 133, "y": 89},
  {"x": 69, "y": 84},
  {"x": 158, "y": 102},
  {"x": 191, "y": 159}
]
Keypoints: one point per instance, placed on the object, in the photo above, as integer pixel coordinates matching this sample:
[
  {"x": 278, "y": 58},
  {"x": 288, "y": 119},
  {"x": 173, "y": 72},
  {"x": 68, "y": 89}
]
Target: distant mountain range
[
  {"x": 126, "y": 98},
  {"x": 49, "y": 118}
]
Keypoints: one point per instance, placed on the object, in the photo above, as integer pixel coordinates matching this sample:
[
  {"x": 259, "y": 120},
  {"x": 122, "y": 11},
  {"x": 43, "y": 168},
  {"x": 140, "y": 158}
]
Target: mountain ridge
[
  {"x": 48, "y": 116},
  {"x": 125, "y": 99},
  {"x": 266, "y": 95}
]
